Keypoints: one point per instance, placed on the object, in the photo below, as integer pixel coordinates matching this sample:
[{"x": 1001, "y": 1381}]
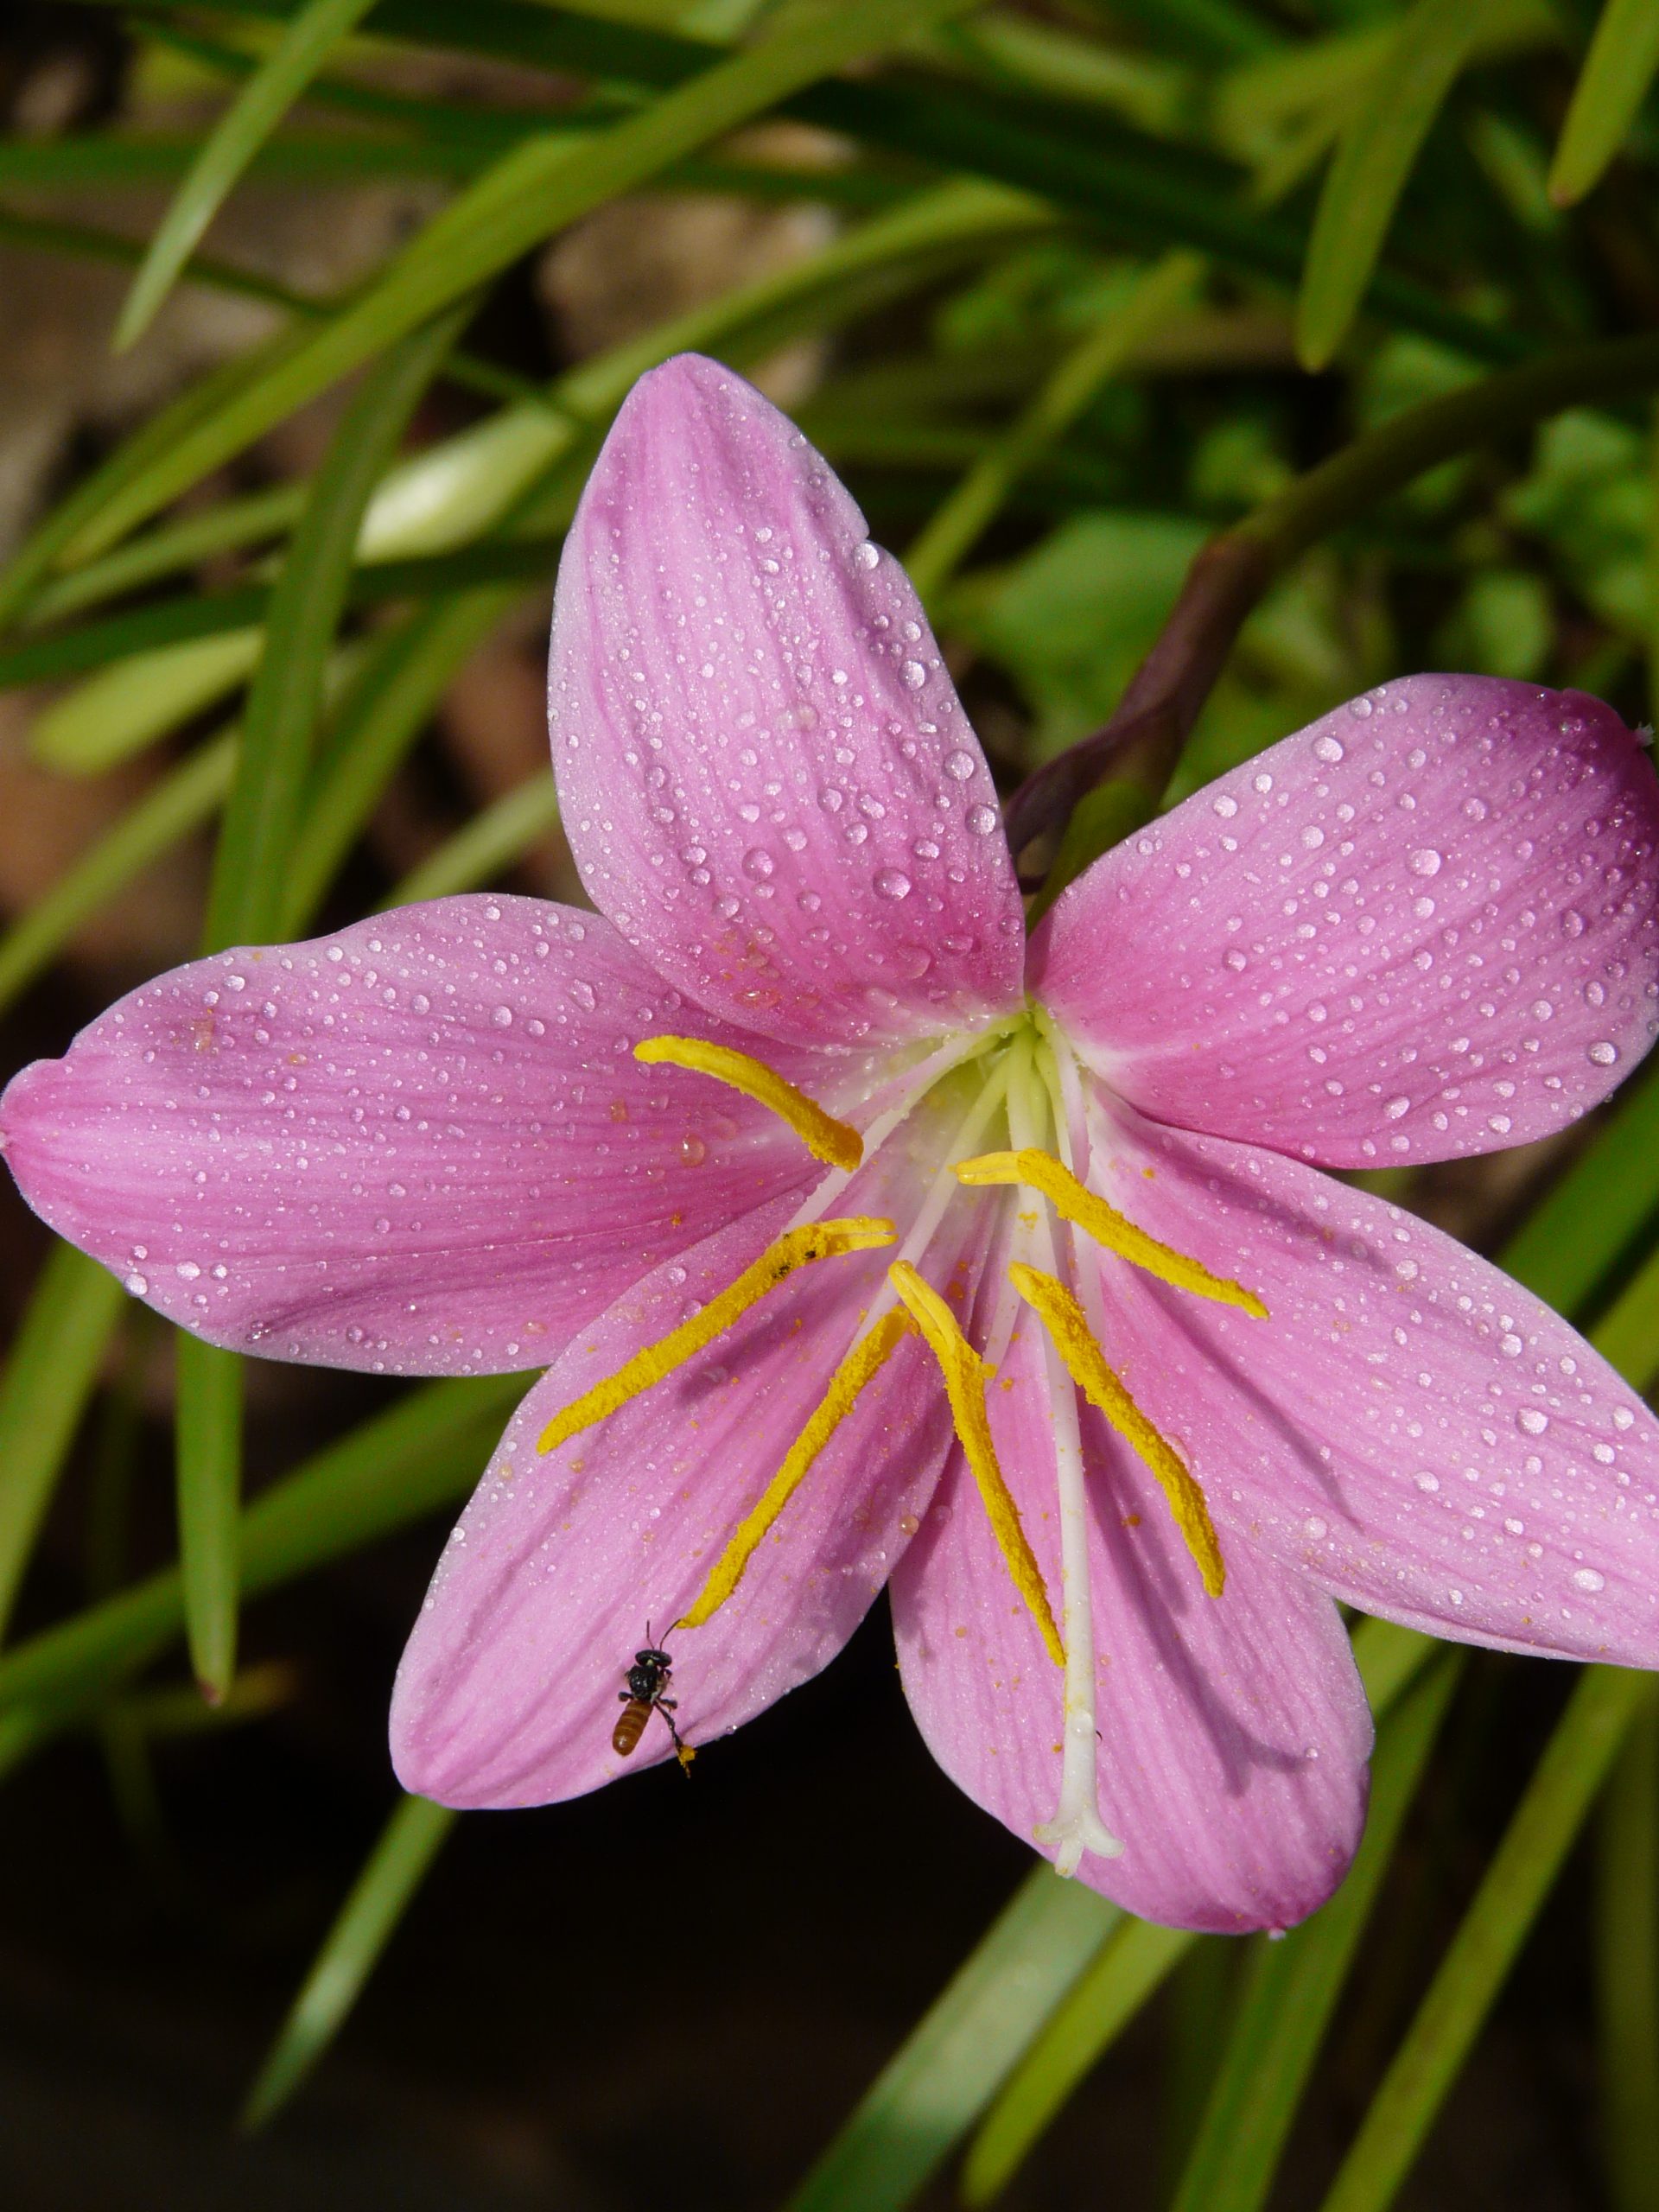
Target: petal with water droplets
[
  {"x": 1423, "y": 927},
  {"x": 766, "y": 777}
]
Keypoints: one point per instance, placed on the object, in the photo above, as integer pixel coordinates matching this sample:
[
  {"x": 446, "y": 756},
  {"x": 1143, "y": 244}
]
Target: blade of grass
[
  {"x": 1589, "y": 1215},
  {"x": 140, "y": 697},
  {"x": 1618, "y": 70},
  {"x": 232, "y": 526},
  {"x": 44, "y": 1390},
  {"x": 1374, "y": 158},
  {"x": 422, "y": 1454},
  {"x": 367, "y": 1920},
  {"x": 1132, "y": 1965},
  {"x": 952, "y": 2061},
  {"x": 310, "y": 37},
  {"x": 246, "y": 900},
  {"x": 957, "y": 525},
  {"x": 1627, "y": 1971},
  {"x": 1628, "y": 1332},
  {"x": 1293, "y": 1984},
  {"x": 262, "y": 809},
  {"x": 491, "y": 841},
  {"x": 208, "y": 1433},
  {"x": 1519, "y": 1877}
]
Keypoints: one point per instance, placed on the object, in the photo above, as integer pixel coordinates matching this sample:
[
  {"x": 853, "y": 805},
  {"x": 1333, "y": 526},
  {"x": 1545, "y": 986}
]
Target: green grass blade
[
  {"x": 263, "y": 810},
  {"x": 209, "y": 1456},
  {"x": 1627, "y": 1971},
  {"x": 491, "y": 840},
  {"x": 232, "y": 526},
  {"x": 313, "y": 33},
  {"x": 423, "y": 1453},
  {"x": 380, "y": 719},
  {"x": 1617, "y": 71},
  {"x": 1518, "y": 1879},
  {"x": 1373, "y": 159},
  {"x": 1274, "y": 2040},
  {"x": 368, "y": 1919},
  {"x": 1628, "y": 1332},
  {"x": 957, "y": 525},
  {"x": 141, "y": 696},
  {"x": 1132, "y": 1966},
  {"x": 48, "y": 1380},
  {"x": 953, "y": 2061},
  {"x": 1592, "y": 1213}
]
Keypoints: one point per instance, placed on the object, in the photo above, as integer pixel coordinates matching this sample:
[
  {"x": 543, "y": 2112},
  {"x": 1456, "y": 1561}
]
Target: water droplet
[
  {"x": 1395, "y": 1107},
  {"x": 1330, "y": 748},
  {"x": 982, "y": 820},
  {"x": 138, "y": 1284},
  {"x": 502, "y": 1017},
  {"x": 1313, "y": 1527},
  {"x": 1428, "y": 1482},
  {"x": 1572, "y": 923},
  {"x": 959, "y": 766},
  {"x": 1510, "y": 1345},
  {"x": 1604, "y": 1055},
  {"x": 583, "y": 994},
  {"x": 693, "y": 1150},
  {"x": 1360, "y": 709},
  {"x": 913, "y": 674},
  {"x": 1586, "y": 1578},
  {"x": 1425, "y": 861},
  {"x": 759, "y": 863},
  {"x": 892, "y": 883},
  {"x": 1532, "y": 1420},
  {"x": 867, "y": 556},
  {"x": 1226, "y": 806}
]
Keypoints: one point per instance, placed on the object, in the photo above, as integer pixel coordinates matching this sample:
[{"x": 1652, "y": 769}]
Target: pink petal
[
  {"x": 1409, "y": 1427},
  {"x": 1423, "y": 927},
  {"x": 767, "y": 778},
  {"x": 508, "y": 1691},
  {"x": 1233, "y": 1731},
  {"x": 420, "y": 1146}
]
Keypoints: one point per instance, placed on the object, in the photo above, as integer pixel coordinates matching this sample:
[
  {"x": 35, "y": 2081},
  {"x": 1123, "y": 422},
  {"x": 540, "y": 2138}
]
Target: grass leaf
[
  {"x": 209, "y": 1461},
  {"x": 252, "y": 117},
  {"x": 1618, "y": 70}
]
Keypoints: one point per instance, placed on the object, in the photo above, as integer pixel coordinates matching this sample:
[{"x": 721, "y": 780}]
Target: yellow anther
[
  {"x": 834, "y": 1142},
  {"x": 861, "y": 1365},
  {"x": 795, "y": 1248},
  {"x": 1067, "y": 1324},
  {"x": 965, "y": 1377},
  {"x": 1071, "y": 1199}
]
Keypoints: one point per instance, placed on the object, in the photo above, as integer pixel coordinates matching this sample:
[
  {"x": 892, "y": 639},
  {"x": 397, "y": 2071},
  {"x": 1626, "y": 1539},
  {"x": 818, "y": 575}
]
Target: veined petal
[
  {"x": 1233, "y": 1732},
  {"x": 508, "y": 1689},
  {"x": 1409, "y": 1427},
  {"x": 1424, "y": 926},
  {"x": 767, "y": 780},
  {"x": 422, "y": 1146}
]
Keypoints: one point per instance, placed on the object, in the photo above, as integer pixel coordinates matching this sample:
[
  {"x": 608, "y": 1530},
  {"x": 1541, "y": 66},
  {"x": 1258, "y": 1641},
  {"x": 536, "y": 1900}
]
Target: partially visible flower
[{"x": 868, "y": 1244}]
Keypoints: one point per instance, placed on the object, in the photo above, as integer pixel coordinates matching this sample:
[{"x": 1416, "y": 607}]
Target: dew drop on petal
[
  {"x": 1329, "y": 748},
  {"x": 913, "y": 674},
  {"x": 982, "y": 820},
  {"x": 1532, "y": 1420},
  {"x": 1425, "y": 861},
  {"x": 959, "y": 766},
  {"x": 693, "y": 1150},
  {"x": 1586, "y": 1578},
  {"x": 1604, "y": 1055},
  {"x": 892, "y": 883}
]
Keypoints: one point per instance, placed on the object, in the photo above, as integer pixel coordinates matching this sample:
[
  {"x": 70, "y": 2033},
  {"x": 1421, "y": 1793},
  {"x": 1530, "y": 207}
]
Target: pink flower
[{"x": 490, "y": 1134}]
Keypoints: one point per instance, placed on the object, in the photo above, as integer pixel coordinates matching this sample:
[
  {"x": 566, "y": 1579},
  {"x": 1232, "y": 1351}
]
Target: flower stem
[{"x": 1142, "y": 741}]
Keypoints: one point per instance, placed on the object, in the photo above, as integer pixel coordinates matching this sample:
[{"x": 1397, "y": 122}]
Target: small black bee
[{"x": 649, "y": 1676}]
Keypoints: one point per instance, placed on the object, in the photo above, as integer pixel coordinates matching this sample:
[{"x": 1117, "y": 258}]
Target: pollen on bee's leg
[
  {"x": 1073, "y": 1201},
  {"x": 860, "y": 1366},
  {"x": 1067, "y": 1324},
  {"x": 795, "y": 1248},
  {"x": 965, "y": 1377},
  {"x": 837, "y": 1143}
]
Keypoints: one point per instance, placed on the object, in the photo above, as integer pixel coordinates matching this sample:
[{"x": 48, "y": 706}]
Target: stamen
[
  {"x": 834, "y": 1142},
  {"x": 1086, "y": 1364},
  {"x": 1073, "y": 1201},
  {"x": 795, "y": 1248},
  {"x": 965, "y": 1377},
  {"x": 861, "y": 1365}
]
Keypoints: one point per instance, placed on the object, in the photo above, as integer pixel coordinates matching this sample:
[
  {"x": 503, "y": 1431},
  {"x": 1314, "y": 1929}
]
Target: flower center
[{"x": 1028, "y": 1081}]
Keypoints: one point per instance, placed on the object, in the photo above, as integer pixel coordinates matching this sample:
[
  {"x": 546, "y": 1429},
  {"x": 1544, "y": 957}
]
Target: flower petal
[
  {"x": 508, "y": 1689},
  {"x": 1424, "y": 926},
  {"x": 1233, "y": 1731},
  {"x": 1408, "y": 1427},
  {"x": 422, "y": 1145},
  {"x": 766, "y": 777}
]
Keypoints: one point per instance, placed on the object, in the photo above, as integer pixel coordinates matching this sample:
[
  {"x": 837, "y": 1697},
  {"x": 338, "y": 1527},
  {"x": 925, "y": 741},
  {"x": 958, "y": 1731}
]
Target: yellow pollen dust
[
  {"x": 795, "y": 1248},
  {"x": 834, "y": 1142},
  {"x": 861, "y": 1365},
  {"x": 965, "y": 1377},
  {"x": 1075, "y": 1202},
  {"x": 1085, "y": 1362}
]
